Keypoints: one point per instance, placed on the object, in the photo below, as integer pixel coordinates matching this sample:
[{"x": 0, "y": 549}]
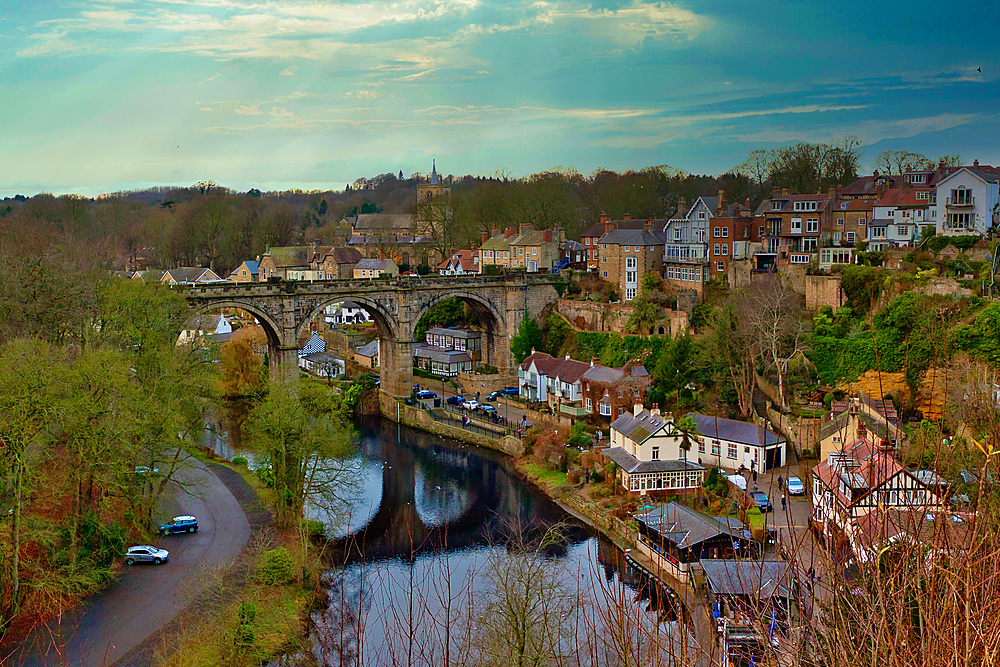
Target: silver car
[{"x": 146, "y": 554}]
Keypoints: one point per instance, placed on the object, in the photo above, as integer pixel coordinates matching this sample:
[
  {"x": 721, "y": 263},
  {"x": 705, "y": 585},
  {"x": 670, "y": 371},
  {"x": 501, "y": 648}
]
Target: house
[
  {"x": 590, "y": 238},
  {"x": 189, "y": 275},
  {"x": 862, "y": 478},
  {"x": 792, "y": 224},
  {"x": 882, "y": 409},
  {"x": 609, "y": 393},
  {"x": 367, "y": 354},
  {"x": 851, "y": 425},
  {"x": 727, "y": 443},
  {"x": 731, "y": 234},
  {"x": 336, "y": 263},
  {"x": 322, "y": 364},
  {"x": 278, "y": 261},
  {"x": 247, "y": 272},
  {"x": 750, "y": 592},
  {"x": 446, "y": 352},
  {"x": 149, "y": 276},
  {"x": 375, "y": 268},
  {"x": 898, "y": 218},
  {"x": 846, "y": 226},
  {"x": 685, "y": 255},
  {"x": 204, "y": 329},
  {"x": 313, "y": 345},
  {"x": 626, "y": 255},
  {"x": 967, "y": 200},
  {"x": 677, "y": 538},
  {"x": 461, "y": 263},
  {"x": 346, "y": 312},
  {"x": 495, "y": 250},
  {"x": 647, "y": 450},
  {"x": 536, "y": 250},
  {"x": 552, "y": 380}
]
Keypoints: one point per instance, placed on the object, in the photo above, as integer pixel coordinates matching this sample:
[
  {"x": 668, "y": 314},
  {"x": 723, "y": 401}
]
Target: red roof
[
  {"x": 564, "y": 368},
  {"x": 464, "y": 257}
]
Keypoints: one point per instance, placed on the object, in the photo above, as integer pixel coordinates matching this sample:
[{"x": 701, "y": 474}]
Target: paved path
[{"x": 145, "y": 597}]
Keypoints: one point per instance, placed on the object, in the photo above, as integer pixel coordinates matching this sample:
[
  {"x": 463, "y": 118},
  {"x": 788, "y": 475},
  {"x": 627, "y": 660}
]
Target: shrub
[
  {"x": 275, "y": 567},
  {"x": 240, "y": 461},
  {"x": 575, "y": 477}
]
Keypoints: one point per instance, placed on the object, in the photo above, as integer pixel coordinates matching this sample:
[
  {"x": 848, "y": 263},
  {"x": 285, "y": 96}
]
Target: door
[{"x": 747, "y": 459}]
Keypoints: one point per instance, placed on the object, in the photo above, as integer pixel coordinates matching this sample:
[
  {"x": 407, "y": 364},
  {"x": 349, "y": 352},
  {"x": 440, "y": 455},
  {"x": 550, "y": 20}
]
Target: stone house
[
  {"x": 626, "y": 255},
  {"x": 375, "y": 268},
  {"x": 536, "y": 250}
]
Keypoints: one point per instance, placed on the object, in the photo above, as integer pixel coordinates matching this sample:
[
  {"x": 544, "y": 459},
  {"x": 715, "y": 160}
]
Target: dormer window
[{"x": 776, "y": 205}]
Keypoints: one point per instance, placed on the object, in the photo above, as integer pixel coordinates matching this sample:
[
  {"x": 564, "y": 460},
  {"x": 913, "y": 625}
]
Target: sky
[{"x": 313, "y": 94}]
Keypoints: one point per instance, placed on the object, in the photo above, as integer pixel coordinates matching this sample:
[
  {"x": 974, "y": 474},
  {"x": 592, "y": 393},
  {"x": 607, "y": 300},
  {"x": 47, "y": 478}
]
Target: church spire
[{"x": 434, "y": 173}]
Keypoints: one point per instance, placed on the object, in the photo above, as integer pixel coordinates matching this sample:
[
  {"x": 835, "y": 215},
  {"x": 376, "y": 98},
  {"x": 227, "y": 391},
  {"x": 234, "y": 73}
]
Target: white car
[
  {"x": 146, "y": 554},
  {"x": 796, "y": 487},
  {"x": 470, "y": 405}
]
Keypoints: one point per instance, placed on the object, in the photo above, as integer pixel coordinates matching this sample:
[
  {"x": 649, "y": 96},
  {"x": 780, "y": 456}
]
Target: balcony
[
  {"x": 960, "y": 202},
  {"x": 574, "y": 409}
]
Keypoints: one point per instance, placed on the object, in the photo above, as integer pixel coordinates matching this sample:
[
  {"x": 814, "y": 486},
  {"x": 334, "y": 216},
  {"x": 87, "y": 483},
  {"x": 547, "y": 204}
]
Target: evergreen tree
[{"x": 527, "y": 338}]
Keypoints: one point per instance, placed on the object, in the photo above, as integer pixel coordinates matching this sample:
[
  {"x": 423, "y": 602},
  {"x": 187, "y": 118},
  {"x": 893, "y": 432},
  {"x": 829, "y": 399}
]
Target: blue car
[
  {"x": 426, "y": 393},
  {"x": 760, "y": 499},
  {"x": 455, "y": 400},
  {"x": 511, "y": 391}
]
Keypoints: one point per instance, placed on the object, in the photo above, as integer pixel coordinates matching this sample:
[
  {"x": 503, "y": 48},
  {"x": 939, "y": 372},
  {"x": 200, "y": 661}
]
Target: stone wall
[
  {"x": 738, "y": 274},
  {"x": 611, "y": 317},
  {"x": 417, "y": 418},
  {"x": 794, "y": 276},
  {"x": 823, "y": 291}
]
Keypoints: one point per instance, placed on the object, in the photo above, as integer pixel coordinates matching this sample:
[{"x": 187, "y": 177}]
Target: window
[
  {"x": 629, "y": 293},
  {"x": 805, "y": 206},
  {"x": 716, "y": 448},
  {"x": 677, "y": 235},
  {"x": 670, "y": 272},
  {"x": 606, "y": 409},
  {"x": 862, "y": 222},
  {"x": 715, "y": 232},
  {"x": 892, "y": 212},
  {"x": 961, "y": 197},
  {"x": 959, "y": 221},
  {"x": 796, "y": 225},
  {"x": 630, "y": 262},
  {"x": 604, "y": 246},
  {"x": 656, "y": 453},
  {"x": 916, "y": 178},
  {"x": 840, "y": 222},
  {"x": 808, "y": 245},
  {"x": 604, "y": 274},
  {"x": 922, "y": 195},
  {"x": 701, "y": 446},
  {"x": 715, "y": 249},
  {"x": 701, "y": 215},
  {"x": 812, "y": 225},
  {"x": 902, "y": 230},
  {"x": 720, "y": 266},
  {"x": 624, "y": 248},
  {"x": 725, "y": 248},
  {"x": 836, "y": 238},
  {"x": 725, "y": 232},
  {"x": 732, "y": 451},
  {"x": 604, "y": 260},
  {"x": 590, "y": 404},
  {"x": 776, "y": 205},
  {"x": 630, "y": 277},
  {"x": 799, "y": 259},
  {"x": 534, "y": 251}
]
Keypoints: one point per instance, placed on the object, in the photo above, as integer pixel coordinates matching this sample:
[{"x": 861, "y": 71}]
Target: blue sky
[{"x": 101, "y": 96}]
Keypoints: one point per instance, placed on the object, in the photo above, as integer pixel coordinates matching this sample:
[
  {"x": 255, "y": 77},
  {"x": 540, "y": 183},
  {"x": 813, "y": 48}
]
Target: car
[
  {"x": 487, "y": 410},
  {"x": 512, "y": 391},
  {"x": 146, "y": 554},
  {"x": 494, "y": 395},
  {"x": 796, "y": 487},
  {"x": 470, "y": 404},
  {"x": 179, "y": 524},
  {"x": 760, "y": 499},
  {"x": 455, "y": 400},
  {"x": 426, "y": 393}
]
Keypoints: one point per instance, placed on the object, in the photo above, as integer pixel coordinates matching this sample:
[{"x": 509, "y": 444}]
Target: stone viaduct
[{"x": 285, "y": 310}]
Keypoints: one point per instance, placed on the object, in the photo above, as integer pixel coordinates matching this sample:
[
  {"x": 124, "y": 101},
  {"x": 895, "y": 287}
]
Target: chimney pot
[
  {"x": 627, "y": 216},
  {"x": 604, "y": 217},
  {"x": 785, "y": 191},
  {"x": 485, "y": 236},
  {"x": 975, "y": 163}
]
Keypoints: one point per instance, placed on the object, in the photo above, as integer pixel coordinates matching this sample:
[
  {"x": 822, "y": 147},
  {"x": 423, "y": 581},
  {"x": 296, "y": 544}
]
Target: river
[{"x": 441, "y": 536}]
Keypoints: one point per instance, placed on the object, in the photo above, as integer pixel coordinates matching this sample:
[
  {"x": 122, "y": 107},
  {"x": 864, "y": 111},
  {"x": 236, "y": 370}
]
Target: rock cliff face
[{"x": 611, "y": 317}]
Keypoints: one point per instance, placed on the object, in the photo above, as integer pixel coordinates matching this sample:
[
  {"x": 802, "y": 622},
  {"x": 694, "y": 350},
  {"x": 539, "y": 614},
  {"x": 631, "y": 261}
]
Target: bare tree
[{"x": 770, "y": 311}]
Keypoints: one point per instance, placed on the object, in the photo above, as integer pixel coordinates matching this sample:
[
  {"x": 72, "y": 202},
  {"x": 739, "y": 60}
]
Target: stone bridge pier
[{"x": 285, "y": 310}]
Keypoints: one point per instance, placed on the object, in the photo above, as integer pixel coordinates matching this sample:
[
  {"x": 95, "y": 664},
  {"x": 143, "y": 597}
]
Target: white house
[
  {"x": 647, "y": 450},
  {"x": 542, "y": 377},
  {"x": 322, "y": 364},
  {"x": 346, "y": 312},
  {"x": 204, "y": 327},
  {"x": 727, "y": 443},
  {"x": 313, "y": 345},
  {"x": 967, "y": 200}
]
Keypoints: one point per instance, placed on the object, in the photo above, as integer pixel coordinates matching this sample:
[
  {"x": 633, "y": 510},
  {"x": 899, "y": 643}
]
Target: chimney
[
  {"x": 832, "y": 193},
  {"x": 605, "y": 217},
  {"x": 648, "y": 225},
  {"x": 785, "y": 191},
  {"x": 941, "y": 164},
  {"x": 548, "y": 236},
  {"x": 975, "y": 163},
  {"x": 486, "y": 236},
  {"x": 875, "y": 174},
  {"x": 608, "y": 224},
  {"x": 567, "y": 357},
  {"x": 627, "y": 216},
  {"x": 508, "y": 232},
  {"x": 722, "y": 203},
  {"x": 775, "y": 191},
  {"x": 747, "y": 202},
  {"x": 527, "y": 227},
  {"x": 885, "y": 445},
  {"x": 681, "y": 206},
  {"x": 593, "y": 361},
  {"x": 655, "y": 410},
  {"x": 879, "y": 189},
  {"x": 636, "y": 409}
]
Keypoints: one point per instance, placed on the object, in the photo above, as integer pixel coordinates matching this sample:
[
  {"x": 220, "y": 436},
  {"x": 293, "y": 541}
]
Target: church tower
[{"x": 432, "y": 188}]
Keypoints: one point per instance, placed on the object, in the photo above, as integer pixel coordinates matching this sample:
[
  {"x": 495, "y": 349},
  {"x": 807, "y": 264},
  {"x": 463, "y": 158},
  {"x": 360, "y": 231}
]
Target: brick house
[
  {"x": 611, "y": 392},
  {"x": 626, "y": 255},
  {"x": 731, "y": 231},
  {"x": 792, "y": 225},
  {"x": 283, "y": 261},
  {"x": 591, "y": 237},
  {"x": 334, "y": 263}
]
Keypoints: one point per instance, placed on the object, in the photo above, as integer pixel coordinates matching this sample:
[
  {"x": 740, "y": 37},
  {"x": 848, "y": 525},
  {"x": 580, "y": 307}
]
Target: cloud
[
  {"x": 248, "y": 110},
  {"x": 364, "y": 94},
  {"x": 280, "y": 112},
  {"x": 206, "y": 109},
  {"x": 289, "y": 71}
]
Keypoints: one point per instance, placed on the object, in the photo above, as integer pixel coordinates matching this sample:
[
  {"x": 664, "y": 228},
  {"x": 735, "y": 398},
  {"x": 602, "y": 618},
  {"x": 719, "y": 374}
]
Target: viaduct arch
[{"x": 285, "y": 310}]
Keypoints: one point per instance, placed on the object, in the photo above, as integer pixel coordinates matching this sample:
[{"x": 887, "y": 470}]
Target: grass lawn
[{"x": 545, "y": 476}]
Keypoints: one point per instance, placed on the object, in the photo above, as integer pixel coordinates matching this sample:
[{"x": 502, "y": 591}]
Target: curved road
[{"x": 145, "y": 597}]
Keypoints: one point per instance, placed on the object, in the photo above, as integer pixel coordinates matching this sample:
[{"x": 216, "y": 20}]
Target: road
[
  {"x": 512, "y": 411},
  {"x": 145, "y": 597}
]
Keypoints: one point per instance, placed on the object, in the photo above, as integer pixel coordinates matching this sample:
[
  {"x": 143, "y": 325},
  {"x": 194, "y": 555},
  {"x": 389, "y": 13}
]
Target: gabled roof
[
  {"x": 150, "y": 276},
  {"x": 597, "y": 229},
  {"x": 603, "y": 374},
  {"x": 383, "y": 221},
  {"x": 634, "y": 466},
  {"x": 639, "y": 427},
  {"x": 369, "y": 349},
  {"x": 314, "y": 344},
  {"x": 734, "y": 431},
  {"x": 466, "y": 258},
  {"x": 686, "y": 527},
  {"x": 866, "y": 204},
  {"x": 343, "y": 255},
  {"x": 639, "y": 237},
  {"x": 566, "y": 369},
  {"x": 289, "y": 256},
  {"x": 534, "y": 237},
  {"x": 253, "y": 266},
  {"x": 190, "y": 274},
  {"x": 881, "y": 406},
  {"x": 758, "y": 579},
  {"x": 839, "y": 423},
  {"x": 375, "y": 264},
  {"x": 498, "y": 242},
  {"x": 866, "y": 185}
]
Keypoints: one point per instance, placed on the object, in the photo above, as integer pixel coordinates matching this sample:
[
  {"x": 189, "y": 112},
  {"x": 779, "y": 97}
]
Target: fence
[
  {"x": 510, "y": 426},
  {"x": 455, "y": 421}
]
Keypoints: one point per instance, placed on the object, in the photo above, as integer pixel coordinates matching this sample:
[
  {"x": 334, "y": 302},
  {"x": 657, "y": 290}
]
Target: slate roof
[
  {"x": 425, "y": 351},
  {"x": 865, "y": 185},
  {"x": 758, "y": 579},
  {"x": 384, "y": 221},
  {"x": 150, "y": 276},
  {"x": 497, "y": 242},
  {"x": 343, "y": 255},
  {"x": 190, "y": 274},
  {"x": 634, "y": 237},
  {"x": 734, "y": 431},
  {"x": 374, "y": 264},
  {"x": 253, "y": 266},
  {"x": 289, "y": 256},
  {"x": 866, "y": 204},
  {"x": 686, "y": 527},
  {"x": 603, "y": 374},
  {"x": 567, "y": 370},
  {"x": 369, "y": 349},
  {"x": 882, "y": 222},
  {"x": 839, "y": 423},
  {"x": 314, "y": 344},
  {"x": 634, "y": 466},
  {"x": 881, "y": 406},
  {"x": 597, "y": 229},
  {"x": 534, "y": 237},
  {"x": 638, "y": 427},
  {"x": 320, "y": 357},
  {"x": 455, "y": 332}
]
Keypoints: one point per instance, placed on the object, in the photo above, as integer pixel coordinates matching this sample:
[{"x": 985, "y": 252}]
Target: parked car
[
  {"x": 146, "y": 554},
  {"x": 760, "y": 500},
  {"x": 512, "y": 391},
  {"x": 426, "y": 393},
  {"x": 494, "y": 395},
  {"x": 455, "y": 400},
  {"x": 179, "y": 524},
  {"x": 487, "y": 410},
  {"x": 796, "y": 487},
  {"x": 470, "y": 404}
]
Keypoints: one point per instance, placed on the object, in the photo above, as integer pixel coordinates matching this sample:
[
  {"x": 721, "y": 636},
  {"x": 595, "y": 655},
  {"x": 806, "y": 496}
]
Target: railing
[
  {"x": 960, "y": 202},
  {"x": 495, "y": 431}
]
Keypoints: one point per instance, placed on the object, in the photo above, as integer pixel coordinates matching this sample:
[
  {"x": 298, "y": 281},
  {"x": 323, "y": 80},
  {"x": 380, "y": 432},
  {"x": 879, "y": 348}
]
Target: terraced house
[{"x": 628, "y": 254}]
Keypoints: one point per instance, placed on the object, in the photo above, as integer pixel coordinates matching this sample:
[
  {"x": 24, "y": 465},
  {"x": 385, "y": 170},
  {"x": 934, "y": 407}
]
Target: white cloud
[
  {"x": 289, "y": 71},
  {"x": 364, "y": 94},
  {"x": 248, "y": 110},
  {"x": 206, "y": 109},
  {"x": 280, "y": 112}
]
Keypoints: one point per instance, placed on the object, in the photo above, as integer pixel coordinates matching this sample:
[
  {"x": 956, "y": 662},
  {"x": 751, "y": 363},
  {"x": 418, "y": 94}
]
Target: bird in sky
[{"x": 979, "y": 69}]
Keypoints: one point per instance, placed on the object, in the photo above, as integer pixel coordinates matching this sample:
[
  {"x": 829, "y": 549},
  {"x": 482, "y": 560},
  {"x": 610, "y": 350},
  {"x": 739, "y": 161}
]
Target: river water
[{"x": 438, "y": 539}]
